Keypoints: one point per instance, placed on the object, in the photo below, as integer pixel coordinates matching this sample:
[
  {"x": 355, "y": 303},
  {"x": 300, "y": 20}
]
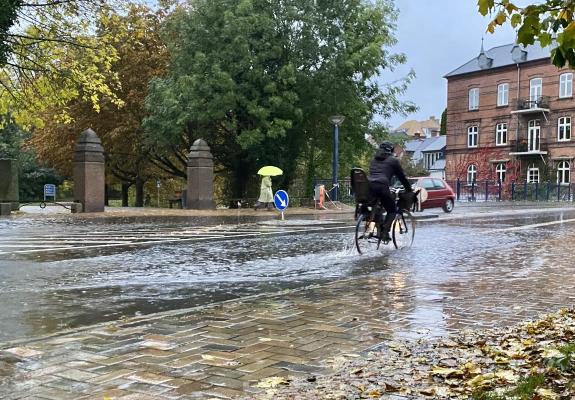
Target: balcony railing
[
  {"x": 538, "y": 103},
  {"x": 522, "y": 146}
]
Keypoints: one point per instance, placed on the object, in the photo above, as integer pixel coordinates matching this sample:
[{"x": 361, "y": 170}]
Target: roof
[
  {"x": 438, "y": 164},
  {"x": 412, "y": 127},
  {"x": 435, "y": 143},
  {"x": 438, "y": 143},
  {"x": 500, "y": 57}
]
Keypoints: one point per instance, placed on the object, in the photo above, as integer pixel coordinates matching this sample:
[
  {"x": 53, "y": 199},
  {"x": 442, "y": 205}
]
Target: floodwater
[{"x": 57, "y": 274}]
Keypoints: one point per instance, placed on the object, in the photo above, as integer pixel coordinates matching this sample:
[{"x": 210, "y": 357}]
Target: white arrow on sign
[{"x": 282, "y": 201}]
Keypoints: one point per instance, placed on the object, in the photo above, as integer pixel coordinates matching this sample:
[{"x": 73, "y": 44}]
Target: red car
[{"x": 439, "y": 193}]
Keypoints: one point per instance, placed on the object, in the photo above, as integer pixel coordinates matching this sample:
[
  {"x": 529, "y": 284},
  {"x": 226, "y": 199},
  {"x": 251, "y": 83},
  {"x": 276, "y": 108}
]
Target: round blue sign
[{"x": 281, "y": 200}]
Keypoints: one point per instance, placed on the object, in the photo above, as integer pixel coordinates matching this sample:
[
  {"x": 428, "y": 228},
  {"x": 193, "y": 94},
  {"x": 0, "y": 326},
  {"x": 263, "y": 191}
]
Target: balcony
[
  {"x": 521, "y": 147},
  {"x": 530, "y": 106}
]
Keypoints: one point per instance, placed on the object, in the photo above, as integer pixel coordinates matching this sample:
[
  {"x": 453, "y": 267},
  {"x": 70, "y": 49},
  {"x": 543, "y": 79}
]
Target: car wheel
[{"x": 448, "y": 206}]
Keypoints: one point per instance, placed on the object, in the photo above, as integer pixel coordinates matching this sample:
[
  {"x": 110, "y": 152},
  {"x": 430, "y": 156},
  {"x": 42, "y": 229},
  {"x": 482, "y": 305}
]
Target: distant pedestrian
[{"x": 266, "y": 194}]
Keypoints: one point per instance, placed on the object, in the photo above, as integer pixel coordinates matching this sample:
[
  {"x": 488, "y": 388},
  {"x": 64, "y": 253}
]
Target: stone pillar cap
[
  {"x": 199, "y": 149},
  {"x": 89, "y": 147}
]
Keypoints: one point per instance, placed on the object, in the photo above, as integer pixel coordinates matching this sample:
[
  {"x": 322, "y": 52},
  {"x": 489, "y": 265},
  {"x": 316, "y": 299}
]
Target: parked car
[{"x": 439, "y": 193}]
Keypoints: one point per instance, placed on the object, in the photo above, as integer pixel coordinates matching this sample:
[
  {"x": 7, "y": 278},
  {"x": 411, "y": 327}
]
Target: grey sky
[{"x": 438, "y": 36}]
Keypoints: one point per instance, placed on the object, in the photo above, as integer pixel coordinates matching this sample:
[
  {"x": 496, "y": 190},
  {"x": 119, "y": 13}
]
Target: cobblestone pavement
[{"x": 492, "y": 276}]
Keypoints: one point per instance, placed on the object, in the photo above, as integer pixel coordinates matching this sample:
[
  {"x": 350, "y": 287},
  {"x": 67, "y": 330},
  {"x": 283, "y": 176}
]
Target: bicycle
[{"x": 367, "y": 229}]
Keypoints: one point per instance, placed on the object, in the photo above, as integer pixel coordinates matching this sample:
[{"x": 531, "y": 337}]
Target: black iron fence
[
  {"x": 344, "y": 193},
  {"x": 512, "y": 191}
]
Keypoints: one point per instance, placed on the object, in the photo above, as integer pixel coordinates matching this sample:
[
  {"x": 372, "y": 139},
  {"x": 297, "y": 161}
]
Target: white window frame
[
  {"x": 534, "y": 135},
  {"x": 472, "y": 136},
  {"x": 535, "y": 91},
  {"x": 471, "y": 174},
  {"x": 532, "y": 173},
  {"x": 501, "y": 133},
  {"x": 500, "y": 171},
  {"x": 474, "y": 99},
  {"x": 564, "y": 129},
  {"x": 503, "y": 94},
  {"x": 566, "y": 85},
  {"x": 564, "y": 173}
]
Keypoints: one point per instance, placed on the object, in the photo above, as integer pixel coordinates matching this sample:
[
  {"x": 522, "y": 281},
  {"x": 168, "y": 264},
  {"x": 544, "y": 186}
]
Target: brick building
[{"x": 509, "y": 115}]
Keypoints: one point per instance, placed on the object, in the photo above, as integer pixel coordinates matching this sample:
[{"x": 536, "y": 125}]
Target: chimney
[
  {"x": 432, "y": 118},
  {"x": 417, "y": 135}
]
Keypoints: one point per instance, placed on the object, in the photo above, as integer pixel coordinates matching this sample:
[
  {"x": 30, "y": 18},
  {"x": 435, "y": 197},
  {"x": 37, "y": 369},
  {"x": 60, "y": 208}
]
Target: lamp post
[{"x": 336, "y": 120}]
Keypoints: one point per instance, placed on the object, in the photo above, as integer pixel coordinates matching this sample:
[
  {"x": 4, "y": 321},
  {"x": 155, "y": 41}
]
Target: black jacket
[{"x": 383, "y": 167}]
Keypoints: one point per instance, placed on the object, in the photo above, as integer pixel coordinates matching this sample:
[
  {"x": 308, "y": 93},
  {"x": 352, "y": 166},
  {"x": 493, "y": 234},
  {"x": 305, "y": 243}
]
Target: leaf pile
[{"x": 534, "y": 360}]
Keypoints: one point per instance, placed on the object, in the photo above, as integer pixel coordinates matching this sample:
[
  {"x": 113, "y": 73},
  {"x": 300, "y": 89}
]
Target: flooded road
[{"x": 55, "y": 274}]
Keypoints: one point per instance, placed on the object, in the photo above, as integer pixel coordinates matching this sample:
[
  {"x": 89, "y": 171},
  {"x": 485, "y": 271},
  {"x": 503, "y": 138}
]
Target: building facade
[{"x": 509, "y": 117}]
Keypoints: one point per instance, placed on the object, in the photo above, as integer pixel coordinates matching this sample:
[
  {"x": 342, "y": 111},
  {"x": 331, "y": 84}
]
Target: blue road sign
[
  {"x": 281, "y": 200},
  {"x": 49, "y": 190}
]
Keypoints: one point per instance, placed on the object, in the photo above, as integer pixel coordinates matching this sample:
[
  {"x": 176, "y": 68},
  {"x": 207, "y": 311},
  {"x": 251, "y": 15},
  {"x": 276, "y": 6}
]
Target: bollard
[
  {"x": 558, "y": 191},
  {"x": 536, "y": 191},
  {"x": 548, "y": 191},
  {"x": 512, "y": 190},
  {"x": 569, "y": 192},
  {"x": 473, "y": 190},
  {"x": 486, "y": 190},
  {"x": 499, "y": 191},
  {"x": 458, "y": 189},
  {"x": 525, "y": 191}
]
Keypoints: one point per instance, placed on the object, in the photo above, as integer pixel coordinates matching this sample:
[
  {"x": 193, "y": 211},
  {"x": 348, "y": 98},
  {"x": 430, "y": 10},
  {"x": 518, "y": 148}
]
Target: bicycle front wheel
[
  {"x": 366, "y": 238},
  {"x": 403, "y": 230}
]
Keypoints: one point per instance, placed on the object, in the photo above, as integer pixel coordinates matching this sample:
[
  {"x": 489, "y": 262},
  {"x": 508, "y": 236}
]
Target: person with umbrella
[{"x": 266, "y": 194}]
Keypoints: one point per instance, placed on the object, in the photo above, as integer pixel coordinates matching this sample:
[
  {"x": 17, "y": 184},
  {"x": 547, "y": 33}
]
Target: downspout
[{"x": 517, "y": 115}]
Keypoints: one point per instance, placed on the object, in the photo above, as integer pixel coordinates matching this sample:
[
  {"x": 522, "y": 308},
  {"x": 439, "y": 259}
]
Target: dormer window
[
  {"x": 484, "y": 61},
  {"x": 518, "y": 54}
]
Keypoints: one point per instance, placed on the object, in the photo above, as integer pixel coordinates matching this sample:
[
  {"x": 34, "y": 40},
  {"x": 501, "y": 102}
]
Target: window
[
  {"x": 532, "y": 174},
  {"x": 503, "y": 94},
  {"x": 472, "y": 136},
  {"x": 430, "y": 158},
  {"x": 438, "y": 183},
  {"x": 564, "y": 172},
  {"x": 474, "y": 99},
  {"x": 500, "y": 170},
  {"x": 471, "y": 174},
  {"x": 501, "y": 134},
  {"x": 535, "y": 91},
  {"x": 427, "y": 184},
  {"x": 564, "y": 129},
  {"x": 566, "y": 85}
]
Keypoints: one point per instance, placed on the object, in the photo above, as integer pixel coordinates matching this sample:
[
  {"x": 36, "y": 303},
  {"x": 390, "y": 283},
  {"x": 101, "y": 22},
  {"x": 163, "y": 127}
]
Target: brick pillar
[
  {"x": 9, "y": 183},
  {"x": 89, "y": 172},
  {"x": 200, "y": 194}
]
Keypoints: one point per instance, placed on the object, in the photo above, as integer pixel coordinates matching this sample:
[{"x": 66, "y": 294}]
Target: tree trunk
[
  {"x": 106, "y": 195},
  {"x": 140, "y": 192},
  {"x": 125, "y": 193}
]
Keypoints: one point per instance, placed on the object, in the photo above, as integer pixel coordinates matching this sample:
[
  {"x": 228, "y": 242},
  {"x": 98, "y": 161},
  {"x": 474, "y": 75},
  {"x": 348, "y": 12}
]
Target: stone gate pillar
[
  {"x": 89, "y": 172},
  {"x": 200, "y": 193},
  {"x": 9, "y": 182}
]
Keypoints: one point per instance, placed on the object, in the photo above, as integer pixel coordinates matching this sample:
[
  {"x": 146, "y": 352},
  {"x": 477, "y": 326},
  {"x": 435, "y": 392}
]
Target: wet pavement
[{"x": 461, "y": 273}]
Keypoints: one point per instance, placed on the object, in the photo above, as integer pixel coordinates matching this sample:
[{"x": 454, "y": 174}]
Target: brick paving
[{"x": 224, "y": 350}]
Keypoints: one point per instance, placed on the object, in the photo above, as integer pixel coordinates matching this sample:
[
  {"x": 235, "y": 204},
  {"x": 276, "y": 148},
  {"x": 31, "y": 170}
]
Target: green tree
[
  {"x": 31, "y": 175},
  {"x": 141, "y": 56},
  {"x": 258, "y": 80},
  {"x": 539, "y": 22},
  {"x": 443, "y": 123}
]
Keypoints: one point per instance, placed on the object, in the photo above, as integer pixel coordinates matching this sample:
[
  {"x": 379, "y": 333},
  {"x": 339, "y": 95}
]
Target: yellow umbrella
[{"x": 270, "y": 170}]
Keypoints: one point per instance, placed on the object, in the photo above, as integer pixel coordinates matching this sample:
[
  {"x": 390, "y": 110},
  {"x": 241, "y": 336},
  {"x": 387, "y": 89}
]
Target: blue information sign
[
  {"x": 49, "y": 191},
  {"x": 281, "y": 200}
]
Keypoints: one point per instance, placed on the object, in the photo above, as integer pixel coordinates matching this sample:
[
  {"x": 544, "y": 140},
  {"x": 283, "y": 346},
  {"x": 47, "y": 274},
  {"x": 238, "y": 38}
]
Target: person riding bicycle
[{"x": 383, "y": 167}]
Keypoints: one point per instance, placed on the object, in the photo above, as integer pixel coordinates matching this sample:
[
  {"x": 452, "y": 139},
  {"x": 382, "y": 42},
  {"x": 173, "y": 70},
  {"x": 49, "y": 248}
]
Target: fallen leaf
[{"x": 272, "y": 382}]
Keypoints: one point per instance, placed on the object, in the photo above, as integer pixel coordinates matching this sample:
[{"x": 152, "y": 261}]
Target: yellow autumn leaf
[
  {"x": 547, "y": 394},
  {"x": 471, "y": 368},
  {"x": 207, "y": 357},
  {"x": 551, "y": 353},
  {"x": 446, "y": 371},
  {"x": 272, "y": 382},
  {"x": 374, "y": 393},
  {"x": 482, "y": 380},
  {"x": 507, "y": 375}
]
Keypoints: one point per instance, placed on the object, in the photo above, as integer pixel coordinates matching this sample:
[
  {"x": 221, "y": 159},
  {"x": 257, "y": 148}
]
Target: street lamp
[{"x": 336, "y": 120}]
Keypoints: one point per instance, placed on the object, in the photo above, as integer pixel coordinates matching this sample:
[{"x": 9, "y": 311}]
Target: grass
[{"x": 524, "y": 390}]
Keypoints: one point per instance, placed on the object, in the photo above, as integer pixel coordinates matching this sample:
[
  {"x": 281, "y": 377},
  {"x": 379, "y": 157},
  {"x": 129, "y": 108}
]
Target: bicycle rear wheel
[
  {"x": 364, "y": 240},
  {"x": 403, "y": 230}
]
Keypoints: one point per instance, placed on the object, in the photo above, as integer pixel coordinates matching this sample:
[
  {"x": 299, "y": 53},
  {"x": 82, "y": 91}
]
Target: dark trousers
[{"x": 380, "y": 191}]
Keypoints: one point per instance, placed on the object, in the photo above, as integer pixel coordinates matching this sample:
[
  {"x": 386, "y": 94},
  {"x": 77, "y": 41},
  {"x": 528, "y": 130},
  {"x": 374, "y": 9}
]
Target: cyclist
[{"x": 382, "y": 169}]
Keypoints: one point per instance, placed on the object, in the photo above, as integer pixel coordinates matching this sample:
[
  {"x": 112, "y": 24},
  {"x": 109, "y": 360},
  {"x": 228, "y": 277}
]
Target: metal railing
[
  {"x": 521, "y": 145},
  {"x": 488, "y": 190},
  {"x": 532, "y": 103}
]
